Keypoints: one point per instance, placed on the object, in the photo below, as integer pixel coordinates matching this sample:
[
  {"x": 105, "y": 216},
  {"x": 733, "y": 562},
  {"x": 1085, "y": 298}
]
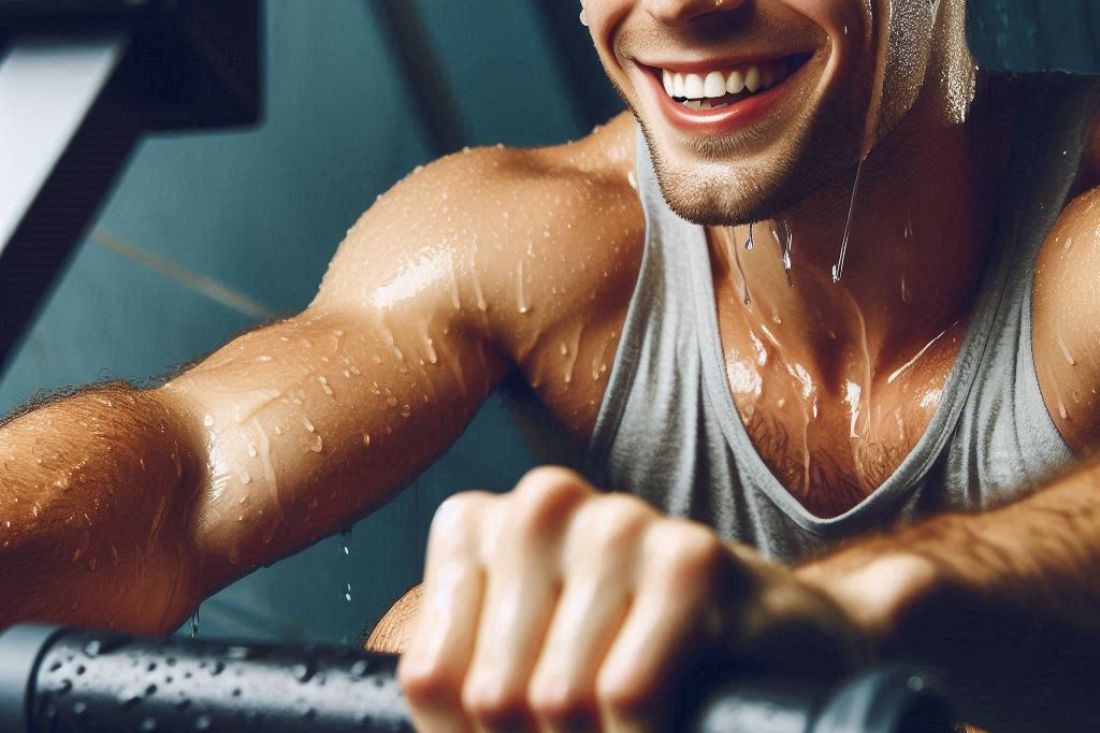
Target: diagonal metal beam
[
  {"x": 593, "y": 99},
  {"x": 404, "y": 31},
  {"x": 59, "y": 154}
]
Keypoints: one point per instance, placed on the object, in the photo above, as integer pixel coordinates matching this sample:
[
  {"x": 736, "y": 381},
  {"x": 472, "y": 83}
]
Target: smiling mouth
[{"x": 724, "y": 86}]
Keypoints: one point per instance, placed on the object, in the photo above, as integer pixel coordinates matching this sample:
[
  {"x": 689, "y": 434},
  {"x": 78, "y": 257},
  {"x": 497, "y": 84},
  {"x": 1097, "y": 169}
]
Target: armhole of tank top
[
  {"x": 1048, "y": 441},
  {"x": 625, "y": 365},
  {"x": 1051, "y": 439}
]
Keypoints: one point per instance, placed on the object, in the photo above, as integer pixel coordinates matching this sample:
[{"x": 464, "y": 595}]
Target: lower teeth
[{"x": 701, "y": 104}]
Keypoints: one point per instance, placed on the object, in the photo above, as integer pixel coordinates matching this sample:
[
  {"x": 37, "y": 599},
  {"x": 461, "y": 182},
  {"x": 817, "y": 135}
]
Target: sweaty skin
[{"x": 557, "y": 603}]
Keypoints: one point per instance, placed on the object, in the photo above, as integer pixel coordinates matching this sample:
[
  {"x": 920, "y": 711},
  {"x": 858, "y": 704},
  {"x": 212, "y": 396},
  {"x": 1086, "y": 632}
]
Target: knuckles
[
  {"x": 676, "y": 555},
  {"x": 624, "y": 698},
  {"x": 561, "y": 705},
  {"x": 427, "y": 683},
  {"x": 544, "y": 498},
  {"x": 687, "y": 553},
  {"x": 494, "y": 704},
  {"x": 614, "y": 523},
  {"x": 460, "y": 513}
]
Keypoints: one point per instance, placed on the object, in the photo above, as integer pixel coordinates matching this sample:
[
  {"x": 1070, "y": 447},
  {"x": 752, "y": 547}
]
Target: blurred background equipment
[
  {"x": 1035, "y": 35},
  {"x": 79, "y": 83}
]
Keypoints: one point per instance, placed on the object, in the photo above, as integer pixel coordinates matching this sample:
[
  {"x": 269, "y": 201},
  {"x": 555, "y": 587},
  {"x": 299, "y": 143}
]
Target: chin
[
  {"x": 732, "y": 192},
  {"x": 716, "y": 186}
]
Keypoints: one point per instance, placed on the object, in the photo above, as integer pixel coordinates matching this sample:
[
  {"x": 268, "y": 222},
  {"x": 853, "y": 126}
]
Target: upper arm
[
  {"x": 1066, "y": 323},
  {"x": 307, "y": 424}
]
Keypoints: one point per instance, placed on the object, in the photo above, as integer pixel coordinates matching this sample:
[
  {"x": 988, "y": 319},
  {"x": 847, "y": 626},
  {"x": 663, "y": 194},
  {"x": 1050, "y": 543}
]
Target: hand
[{"x": 557, "y": 608}]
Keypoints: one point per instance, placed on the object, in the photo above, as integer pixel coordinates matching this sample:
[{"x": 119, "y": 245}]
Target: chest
[{"x": 831, "y": 438}]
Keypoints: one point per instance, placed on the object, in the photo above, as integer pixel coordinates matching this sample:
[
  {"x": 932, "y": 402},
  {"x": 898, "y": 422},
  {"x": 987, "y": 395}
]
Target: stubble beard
[{"x": 728, "y": 189}]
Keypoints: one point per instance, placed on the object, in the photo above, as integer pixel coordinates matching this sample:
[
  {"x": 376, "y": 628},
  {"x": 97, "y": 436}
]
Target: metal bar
[
  {"x": 408, "y": 39},
  {"x": 47, "y": 88},
  {"x": 64, "y": 135}
]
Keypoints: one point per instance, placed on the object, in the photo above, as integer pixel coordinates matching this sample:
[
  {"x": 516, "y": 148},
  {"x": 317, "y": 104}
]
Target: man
[{"x": 788, "y": 395}]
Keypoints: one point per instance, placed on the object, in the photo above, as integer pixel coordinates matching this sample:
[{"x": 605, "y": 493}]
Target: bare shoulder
[
  {"x": 480, "y": 214},
  {"x": 537, "y": 250},
  {"x": 1066, "y": 322}
]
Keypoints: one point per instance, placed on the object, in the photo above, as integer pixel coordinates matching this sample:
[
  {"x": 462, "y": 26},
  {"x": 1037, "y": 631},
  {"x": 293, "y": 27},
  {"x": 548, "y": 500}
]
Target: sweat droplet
[
  {"x": 246, "y": 478},
  {"x": 746, "y": 296},
  {"x": 749, "y": 243},
  {"x": 521, "y": 298},
  {"x": 781, "y": 231},
  {"x": 208, "y": 421},
  {"x": 316, "y": 444},
  {"x": 838, "y": 268},
  {"x": 1066, "y": 352}
]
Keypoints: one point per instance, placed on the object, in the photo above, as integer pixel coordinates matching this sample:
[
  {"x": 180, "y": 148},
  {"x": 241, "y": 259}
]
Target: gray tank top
[{"x": 668, "y": 429}]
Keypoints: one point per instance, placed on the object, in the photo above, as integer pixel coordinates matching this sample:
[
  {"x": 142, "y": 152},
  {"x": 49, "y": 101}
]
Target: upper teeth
[{"x": 717, "y": 84}]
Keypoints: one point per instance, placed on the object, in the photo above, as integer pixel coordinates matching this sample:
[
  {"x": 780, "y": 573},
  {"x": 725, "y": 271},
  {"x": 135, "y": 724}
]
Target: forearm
[
  {"x": 1006, "y": 603},
  {"x": 93, "y": 513},
  {"x": 1039, "y": 556}
]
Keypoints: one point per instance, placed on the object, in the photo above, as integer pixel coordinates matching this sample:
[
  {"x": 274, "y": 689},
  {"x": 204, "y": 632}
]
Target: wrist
[{"x": 878, "y": 592}]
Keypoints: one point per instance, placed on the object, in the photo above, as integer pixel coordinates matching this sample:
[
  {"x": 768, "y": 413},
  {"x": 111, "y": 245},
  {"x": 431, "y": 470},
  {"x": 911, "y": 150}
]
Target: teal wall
[{"x": 209, "y": 234}]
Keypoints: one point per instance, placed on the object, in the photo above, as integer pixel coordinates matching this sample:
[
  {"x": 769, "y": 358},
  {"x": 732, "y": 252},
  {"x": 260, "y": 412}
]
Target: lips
[{"x": 723, "y": 97}]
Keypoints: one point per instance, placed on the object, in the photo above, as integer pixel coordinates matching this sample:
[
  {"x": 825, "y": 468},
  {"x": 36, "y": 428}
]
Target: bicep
[{"x": 306, "y": 425}]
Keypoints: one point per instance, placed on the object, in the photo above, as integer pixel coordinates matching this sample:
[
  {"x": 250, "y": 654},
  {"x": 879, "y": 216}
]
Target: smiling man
[{"x": 827, "y": 280}]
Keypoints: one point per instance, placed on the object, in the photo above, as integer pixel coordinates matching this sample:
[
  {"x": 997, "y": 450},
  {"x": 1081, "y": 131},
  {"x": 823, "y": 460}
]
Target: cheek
[
  {"x": 604, "y": 18},
  {"x": 834, "y": 17},
  {"x": 603, "y": 15}
]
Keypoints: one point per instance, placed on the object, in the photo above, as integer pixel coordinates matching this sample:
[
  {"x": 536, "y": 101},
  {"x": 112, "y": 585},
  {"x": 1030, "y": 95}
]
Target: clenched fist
[{"x": 555, "y": 607}]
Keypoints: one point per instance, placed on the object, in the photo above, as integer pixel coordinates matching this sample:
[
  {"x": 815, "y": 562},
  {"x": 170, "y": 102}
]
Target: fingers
[
  {"x": 595, "y": 600},
  {"x": 433, "y": 668},
  {"x": 672, "y": 615},
  {"x": 524, "y": 584},
  {"x": 560, "y": 609}
]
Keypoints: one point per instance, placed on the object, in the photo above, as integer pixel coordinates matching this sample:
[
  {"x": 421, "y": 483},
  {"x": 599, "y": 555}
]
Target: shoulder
[
  {"x": 1066, "y": 322},
  {"x": 513, "y": 237}
]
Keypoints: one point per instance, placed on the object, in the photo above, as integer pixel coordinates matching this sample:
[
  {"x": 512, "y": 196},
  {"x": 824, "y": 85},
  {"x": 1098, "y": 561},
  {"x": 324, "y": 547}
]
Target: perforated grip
[
  {"x": 95, "y": 682},
  {"x": 77, "y": 681}
]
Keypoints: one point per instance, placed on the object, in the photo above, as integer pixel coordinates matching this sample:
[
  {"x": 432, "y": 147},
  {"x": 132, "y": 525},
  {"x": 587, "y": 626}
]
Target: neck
[{"x": 921, "y": 222}]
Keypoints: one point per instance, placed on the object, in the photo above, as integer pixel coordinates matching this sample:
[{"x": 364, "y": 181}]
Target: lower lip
[{"x": 724, "y": 120}]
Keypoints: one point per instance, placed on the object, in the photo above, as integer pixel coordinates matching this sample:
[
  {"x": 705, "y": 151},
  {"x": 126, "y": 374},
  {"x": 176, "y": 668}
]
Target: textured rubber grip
[
  {"x": 99, "y": 682},
  {"x": 20, "y": 650},
  {"x": 78, "y": 681}
]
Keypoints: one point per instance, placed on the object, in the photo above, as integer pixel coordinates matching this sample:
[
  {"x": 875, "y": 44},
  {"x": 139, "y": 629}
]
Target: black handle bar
[{"x": 68, "y": 680}]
